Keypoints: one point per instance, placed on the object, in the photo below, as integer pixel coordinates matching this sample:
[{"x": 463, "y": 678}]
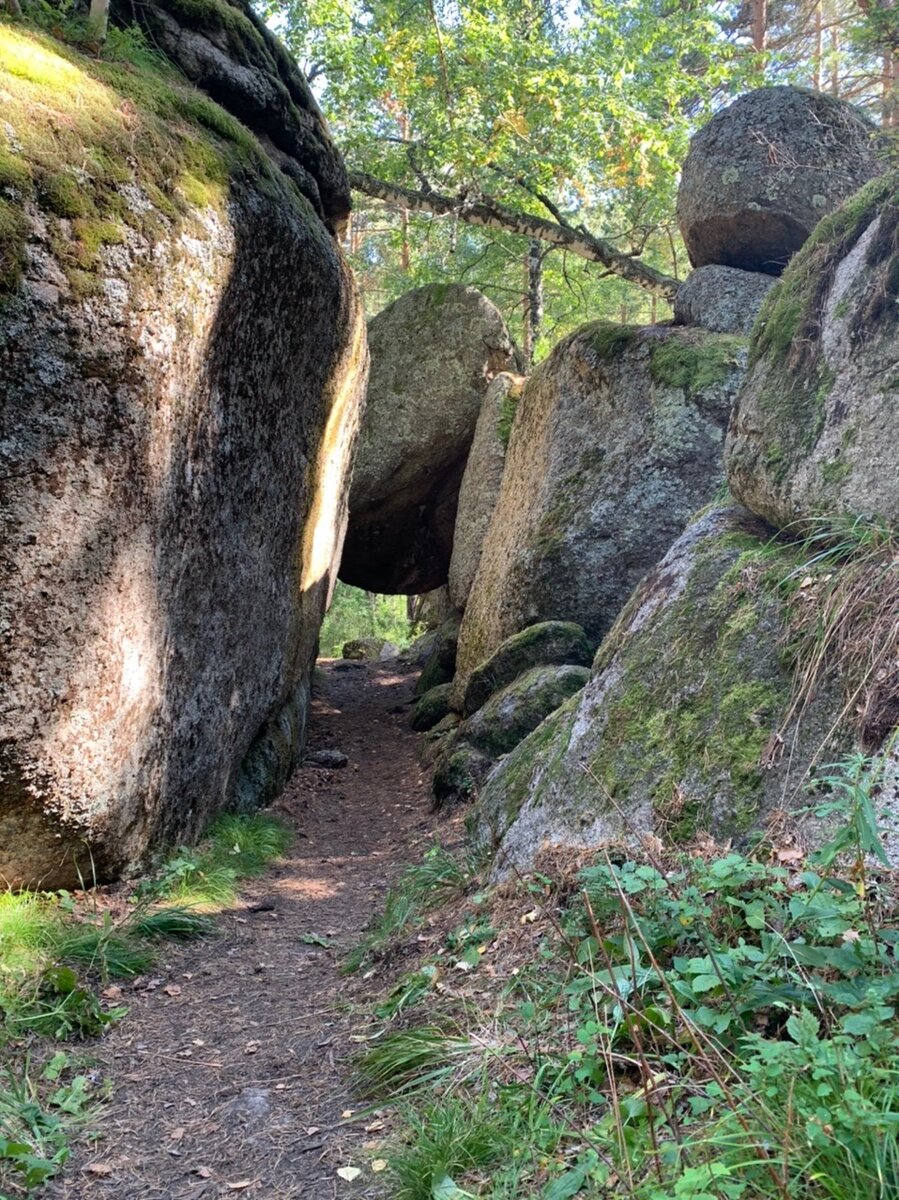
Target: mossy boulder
[
  {"x": 458, "y": 774},
  {"x": 815, "y": 432},
  {"x": 548, "y": 643},
  {"x": 685, "y": 725},
  {"x": 183, "y": 358},
  {"x": 436, "y": 739},
  {"x": 515, "y": 710},
  {"x": 440, "y": 665},
  {"x": 618, "y": 439},
  {"x": 363, "y": 649},
  {"x": 480, "y": 483},
  {"x": 431, "y": 708},
  {"x": 764, "y": 171},
  {"x": 434, "y": 352}
]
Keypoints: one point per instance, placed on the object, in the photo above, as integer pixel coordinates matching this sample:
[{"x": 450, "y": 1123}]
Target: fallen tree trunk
[{"x": 489, "y": 214}]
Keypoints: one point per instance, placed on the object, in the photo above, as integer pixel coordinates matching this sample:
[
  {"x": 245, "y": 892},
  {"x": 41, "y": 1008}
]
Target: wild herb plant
[{"x": 690, "y": 1027}]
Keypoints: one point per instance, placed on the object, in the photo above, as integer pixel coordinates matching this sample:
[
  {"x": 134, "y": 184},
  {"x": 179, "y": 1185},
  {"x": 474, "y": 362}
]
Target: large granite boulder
[
  {"x": 480, "y": 483},
  {"x": 618, "y": 439},
  {"x": 182, "y": 358},
  {"x": 440, "y": 664},
  {"x": 434, "y": 352},
  {"x": 722, "y": 299},
  {"x": 765, "y": 170},
  {"x": 815, "y": 432},
  {"x": 688, "y": 723},
  {"x": 550, "y": 643}
]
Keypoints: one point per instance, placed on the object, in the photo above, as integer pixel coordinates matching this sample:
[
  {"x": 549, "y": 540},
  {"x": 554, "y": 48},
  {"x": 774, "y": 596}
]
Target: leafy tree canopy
[{"x": 562, "y": 122}]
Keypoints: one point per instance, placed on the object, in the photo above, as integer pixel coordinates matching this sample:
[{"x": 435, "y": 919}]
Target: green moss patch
[
  {"x": 695, "y": 363},
  {"x": 77, "y": 130},
  {"x": 609, "y": 339},
  {"x": 797, "y": 382}
]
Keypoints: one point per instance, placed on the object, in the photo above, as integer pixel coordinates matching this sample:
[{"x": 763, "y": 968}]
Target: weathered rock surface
[
  {"x": 721, "y": 299},
  {"x": 434, "y": 608},
  {"x": 228, "y": 51},
  {"x": 434, "y": 352},
  {"x": 618, "y": 439},
  {"x": 517, "y": 709},
  {"x": 480, "y": 483},
  {"x": 440, "y": 665},
  {"x": 679, "y": 728},
  {"x": 550, "y": 643},
  {"x": 765, "y": 170},
  {"x": 431, "y": 708},
  {"x": 182, "y": 356},
  {"x": 815, "y": 431},
  {"x": 436, "y": 738}
]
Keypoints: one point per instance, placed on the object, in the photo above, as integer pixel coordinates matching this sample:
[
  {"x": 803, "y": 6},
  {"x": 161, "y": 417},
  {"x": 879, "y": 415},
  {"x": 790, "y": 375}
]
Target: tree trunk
[
  {"x": 490, "y": 214},
  {"x": 533, "y": 304},
  {"x": 759, "y": 26},
  {"x": 98, "y": 19}
]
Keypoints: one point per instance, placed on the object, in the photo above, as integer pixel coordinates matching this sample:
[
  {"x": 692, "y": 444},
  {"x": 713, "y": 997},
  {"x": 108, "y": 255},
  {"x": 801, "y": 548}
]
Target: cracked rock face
[
  {"x": 765, "y": 170},
  {"x": 814, "y": 431},
  {"x": 434, "y": 352}
]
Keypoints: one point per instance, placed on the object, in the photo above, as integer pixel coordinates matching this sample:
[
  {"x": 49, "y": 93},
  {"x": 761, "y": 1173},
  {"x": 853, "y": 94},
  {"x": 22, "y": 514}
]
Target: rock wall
[
  {"x": 481, "y": 481},
  {"x": 815, "y": 431},
  {"x": 687, "y": 723},
  {"x": 616, "y": 441},
  {"x": 182, "y": 357}
]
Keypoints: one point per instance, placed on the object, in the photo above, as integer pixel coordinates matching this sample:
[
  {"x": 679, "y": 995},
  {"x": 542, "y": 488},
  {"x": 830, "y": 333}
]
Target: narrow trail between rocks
[{"x": 229, "y": 1072}]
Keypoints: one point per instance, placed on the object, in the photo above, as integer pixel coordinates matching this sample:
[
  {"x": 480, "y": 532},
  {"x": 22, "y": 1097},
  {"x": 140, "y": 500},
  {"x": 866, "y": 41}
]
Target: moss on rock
[
  {"x": 78, "y": 135},
  {"x": 517, "y": 709},
  {"x": 543, "y": 644},
  {"x": 431, "y": 708},
  {"x": 820, "y": 372},
  {"x": 678, "y": 730},
  {"x": 458, "y": 775},
  {"x": 440, "y": 664}
]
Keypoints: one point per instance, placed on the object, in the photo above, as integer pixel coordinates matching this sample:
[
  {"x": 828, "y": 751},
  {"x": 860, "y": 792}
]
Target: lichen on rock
[
  {"x": 617, "y": 440},
  {"x": 814, "y": 433}
]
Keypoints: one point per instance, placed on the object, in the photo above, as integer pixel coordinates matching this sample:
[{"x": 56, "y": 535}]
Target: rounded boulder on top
[{"x": 765, "y": 170}]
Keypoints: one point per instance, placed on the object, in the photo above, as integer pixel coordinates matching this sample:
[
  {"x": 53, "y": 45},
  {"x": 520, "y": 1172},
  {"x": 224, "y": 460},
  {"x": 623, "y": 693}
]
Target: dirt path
[{"x": 227, "y": 1073}]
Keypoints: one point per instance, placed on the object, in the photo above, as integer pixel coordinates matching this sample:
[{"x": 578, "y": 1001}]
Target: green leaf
[
  {"x": 859, "y": 1024},
  {"x": 448, "y": 1189},
  {"x": 705, "y": 983},
  {"x": 566, "y": 1185},
  {"x": 803, "y": 1027}
]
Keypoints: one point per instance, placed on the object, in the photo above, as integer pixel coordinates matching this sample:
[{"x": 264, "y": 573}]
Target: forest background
[
  {"x": 559, "y": 126},
  {"x": 531, "y": 148}
]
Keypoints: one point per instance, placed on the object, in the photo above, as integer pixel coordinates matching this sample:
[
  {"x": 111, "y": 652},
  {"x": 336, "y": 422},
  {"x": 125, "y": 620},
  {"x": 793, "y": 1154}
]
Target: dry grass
[{"x": 844, "y": 619}]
